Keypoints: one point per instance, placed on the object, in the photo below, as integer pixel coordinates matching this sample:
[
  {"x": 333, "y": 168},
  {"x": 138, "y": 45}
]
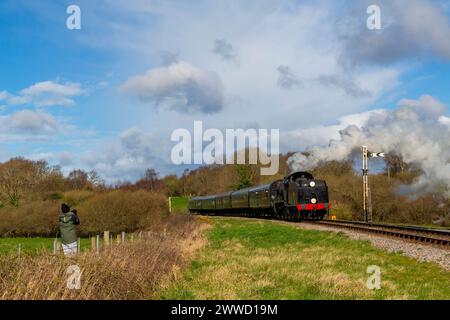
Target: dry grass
[{"x": 135, "y": 270}]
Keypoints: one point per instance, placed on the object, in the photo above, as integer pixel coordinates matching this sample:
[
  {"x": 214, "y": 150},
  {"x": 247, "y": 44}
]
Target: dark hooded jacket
[{"x": 67, "y": 225}]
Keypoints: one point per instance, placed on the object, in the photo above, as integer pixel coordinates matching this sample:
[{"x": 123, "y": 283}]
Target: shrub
[
  {"x": 75, "y": 197},
  {"x": 122, "y": 210},
  {"x": 38, "y": 218}
]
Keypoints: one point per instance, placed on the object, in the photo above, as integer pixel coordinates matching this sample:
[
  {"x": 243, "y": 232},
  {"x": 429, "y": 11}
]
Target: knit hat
[{"x": 65, "y": 208}]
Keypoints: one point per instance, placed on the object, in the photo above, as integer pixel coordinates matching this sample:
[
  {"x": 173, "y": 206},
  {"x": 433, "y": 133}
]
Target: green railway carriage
[
  {"x": 259, "y": 197},
  {"x": 209, "y": 203},
  {"x": 238, "y": 202},
  {"x": 239, "y": 199},
  {"x": 195, "y": 204},
  {"x": 223, "y": 201}
]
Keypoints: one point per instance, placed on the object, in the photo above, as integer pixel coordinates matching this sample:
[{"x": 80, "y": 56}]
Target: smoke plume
[{"x": 416, "y": 130}]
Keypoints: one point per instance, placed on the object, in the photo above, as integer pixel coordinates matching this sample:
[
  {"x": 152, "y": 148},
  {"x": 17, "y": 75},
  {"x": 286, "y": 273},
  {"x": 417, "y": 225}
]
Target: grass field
[
  {"x": 255, "y": 259},
  {"x": 32, "y": 245},
  {"x": 179, "y": 204}
]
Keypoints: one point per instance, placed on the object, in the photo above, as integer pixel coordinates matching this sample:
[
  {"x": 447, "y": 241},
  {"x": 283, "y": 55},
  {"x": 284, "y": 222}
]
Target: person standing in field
[{"x": 67, "y": 226}]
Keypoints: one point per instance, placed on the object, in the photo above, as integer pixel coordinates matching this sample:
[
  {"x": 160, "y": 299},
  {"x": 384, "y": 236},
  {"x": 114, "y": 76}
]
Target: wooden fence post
[
  {"x": 55, "y": 246},
  {"x": 170, "y": 204},
  {"x": 97, "y": 244},
  {"x": 106, "y": 238},
  {"x": 93, "y": 243},
  {"x": 123, "y": 236}
]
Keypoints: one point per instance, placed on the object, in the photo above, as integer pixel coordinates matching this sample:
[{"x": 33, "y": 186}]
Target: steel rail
[
  {"x": 418, "y": 234},
  {"x": 442, "y": 232}
]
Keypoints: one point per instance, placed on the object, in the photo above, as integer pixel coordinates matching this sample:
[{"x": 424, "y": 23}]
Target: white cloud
[
  {"x": 129, "y": 156},
  {"x": 34, "y": 127},
  {"x": 180, "y": 86},
  {"x": 29, "y": 122},
  {"x": 46, "y": 94},
  {"x": 410, "y": 29},
  {"x": 426, "y": 106},
  {"x": 444, "y": 120}
]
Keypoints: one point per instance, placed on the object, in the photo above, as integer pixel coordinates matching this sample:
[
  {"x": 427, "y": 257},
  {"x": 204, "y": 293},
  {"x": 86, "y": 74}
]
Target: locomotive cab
[{"x": 306, "y": 196}]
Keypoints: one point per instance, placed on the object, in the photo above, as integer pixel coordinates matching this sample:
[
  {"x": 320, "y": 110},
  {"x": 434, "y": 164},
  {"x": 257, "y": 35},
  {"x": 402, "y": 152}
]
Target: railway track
[{"x": 418, "y": 234}]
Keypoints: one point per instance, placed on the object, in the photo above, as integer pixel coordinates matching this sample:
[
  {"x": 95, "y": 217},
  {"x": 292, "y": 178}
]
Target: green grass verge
[
  {"x": 179, "y": 204},
  {"x": 254, "y": 259},
  {"x": 32, "y": 245}
]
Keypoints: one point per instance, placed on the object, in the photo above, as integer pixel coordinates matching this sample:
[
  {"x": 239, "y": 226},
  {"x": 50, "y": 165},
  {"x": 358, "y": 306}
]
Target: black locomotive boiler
[{"x": 296, "y": 197}]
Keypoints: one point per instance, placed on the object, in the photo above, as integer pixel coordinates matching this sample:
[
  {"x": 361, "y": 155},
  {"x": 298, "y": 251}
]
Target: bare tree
[
  {"x": 77, "y": 179},
  {"x": 18, "y": 176},
  {"x": 150, "y": 181}
]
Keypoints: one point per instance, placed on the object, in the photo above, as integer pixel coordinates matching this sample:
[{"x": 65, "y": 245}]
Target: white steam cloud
[{"x": 417, "y": 131}]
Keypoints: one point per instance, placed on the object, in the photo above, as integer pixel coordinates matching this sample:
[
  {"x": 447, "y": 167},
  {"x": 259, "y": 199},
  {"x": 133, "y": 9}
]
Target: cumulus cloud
[
  {"x": 29, "y": 122},
  {"x": 129, "y": 156},
  {"x": 46, "y": 94},
  {"x": 426, "y": 106},
  {"x": 224, "y": 49},
  {"x": 413, "y": 131},
  {"x": 180, "y": 87},
  {"x": 286, "y": 78},
  {"x": 409, "y": 29}
]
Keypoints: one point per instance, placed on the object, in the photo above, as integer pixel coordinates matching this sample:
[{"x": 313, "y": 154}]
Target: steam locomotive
[{"x": 296, "y": 197}]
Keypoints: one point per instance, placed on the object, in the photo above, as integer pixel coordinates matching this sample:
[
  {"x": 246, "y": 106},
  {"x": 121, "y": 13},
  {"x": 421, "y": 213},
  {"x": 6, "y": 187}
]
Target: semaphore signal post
[{"x": 367, "y": 200}]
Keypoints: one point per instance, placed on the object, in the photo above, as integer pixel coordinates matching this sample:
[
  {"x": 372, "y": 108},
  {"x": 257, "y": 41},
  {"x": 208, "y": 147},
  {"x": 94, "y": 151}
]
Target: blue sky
[{"x": 108, "y": 96}]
